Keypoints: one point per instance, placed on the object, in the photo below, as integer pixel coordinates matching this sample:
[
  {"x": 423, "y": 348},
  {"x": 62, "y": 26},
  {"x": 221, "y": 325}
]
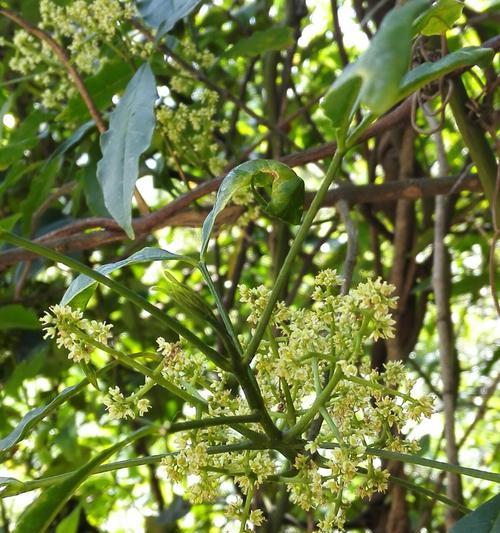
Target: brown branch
[
  {"x": 338, "y": 33},
  {"x": 441, "y": 284},
  {"x": 72, "y": 237}
]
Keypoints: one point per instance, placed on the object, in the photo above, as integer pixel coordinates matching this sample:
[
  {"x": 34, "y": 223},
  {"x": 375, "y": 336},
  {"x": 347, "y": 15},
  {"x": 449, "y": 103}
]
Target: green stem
[
  {"x": 304, "y": 421},
  {"x": 176, "y": 427},
  {"x": 322, "y": 411},
  {"x": 246, "y": 509},
  {"x": 27, "y": 486},
  {"x": 291, "y": 413},
  {"x": 149, "y": 384},
  {"x": 220, "y": 306},
  {"x": 446, "y": 467},
  {"x": 381, "y": 388},
  {"x": 243, "y": 372},
  {"x": 279, "y": 284},
  {"x": 254, "y": 398},
  {"x": 130, "y": 295},
  {"x": 422, "y": 461},
  {"x": 142, "y": 369}
]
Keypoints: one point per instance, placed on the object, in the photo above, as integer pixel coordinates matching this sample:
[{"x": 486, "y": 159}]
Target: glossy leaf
[
  {"x": 164, "y": 14},
  {"x": 385, "y": 63},
  {"x": 40, "y": 514},
  {"x": 485, "y": 519},
  {"x": 286, "y": 204},
  {"x": 428, "y": 72},
  {"x": 16, "y": 316},
  {"x": 439, "y": 18},
  {"x": 146, "y": 255},
  {"x": 382, "y": 67},
  {"x": 277, "y": 38},
  {"x": 129, "y": 135}
]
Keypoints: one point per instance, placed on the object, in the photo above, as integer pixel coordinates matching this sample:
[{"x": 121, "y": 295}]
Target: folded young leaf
[{"x": 287, "y": 194}]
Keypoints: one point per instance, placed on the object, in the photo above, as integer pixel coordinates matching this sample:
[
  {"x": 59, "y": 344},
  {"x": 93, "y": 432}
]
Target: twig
[{"x": 339, "y": 38}]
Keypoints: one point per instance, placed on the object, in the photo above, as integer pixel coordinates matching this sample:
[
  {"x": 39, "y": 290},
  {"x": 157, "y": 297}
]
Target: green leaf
[
  {"x": 90, "y": 373},
  {"x": 146, "y": 255},
  {"x": 110, "y": 80},
  {"x": 286, "y": 204},
  {"x": 129, "y": 135},
  {"x": 439, "y": 18},
  {"x": 38, "y": 516},
  {"x": 16, "y": 316},
  {"x": 9, "y": 486},
  {"x": 93, "y": 192},
  {"x": 387, "y": 60},
  {"x": 22, "y": 138},
  {"x": 277, "y": 38},
  {"x": 485, "y": 519},
  {"x": 428, "y": 72},
  {"x": 164, "y": 14},
  {"x": 340, "y": 101},
  {"x": 9, "y": 222},
  {"x": 382, "y": 66},
  {"x": 69, "y": 524},
  {"x": 41, "y": 185},
  {"x": 31, "y": 418},
  {"x": 72, "y": 140}
]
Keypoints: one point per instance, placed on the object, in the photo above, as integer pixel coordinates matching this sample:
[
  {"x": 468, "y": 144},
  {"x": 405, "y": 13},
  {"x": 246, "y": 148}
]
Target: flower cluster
[
  {"x": 311, "y": 364},
  {"x": 189, "y": 127},
  {"x": 306, "y": 349},
  {"x": 81, "y": 28},
  {"x": 120, "y": 407},
  {"x": 178, "y": 367},
  {"x": 66, "y": 325}
]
